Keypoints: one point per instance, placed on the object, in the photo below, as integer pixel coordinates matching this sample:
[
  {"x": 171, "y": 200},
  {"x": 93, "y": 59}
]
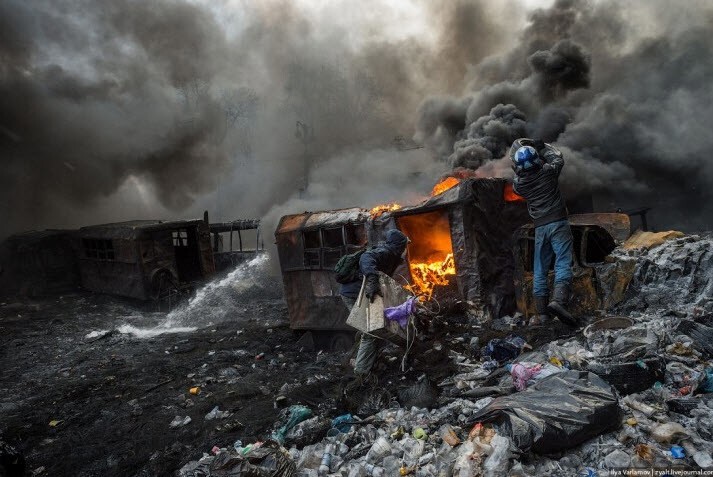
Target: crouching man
[
  {"x": 537, "y": 168},
  {"x": 384, "y": 258}
]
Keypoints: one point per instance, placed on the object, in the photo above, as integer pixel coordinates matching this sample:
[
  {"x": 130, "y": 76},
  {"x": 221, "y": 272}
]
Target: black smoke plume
[{"x": 622, "y": 88}]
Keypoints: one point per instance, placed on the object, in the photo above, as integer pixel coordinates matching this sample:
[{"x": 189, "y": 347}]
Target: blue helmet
[{"x": 526, "y": 157}]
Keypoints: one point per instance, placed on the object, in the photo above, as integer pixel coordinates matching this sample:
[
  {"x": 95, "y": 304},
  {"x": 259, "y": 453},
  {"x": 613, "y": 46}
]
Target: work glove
[{"x": 372, "y": 287}]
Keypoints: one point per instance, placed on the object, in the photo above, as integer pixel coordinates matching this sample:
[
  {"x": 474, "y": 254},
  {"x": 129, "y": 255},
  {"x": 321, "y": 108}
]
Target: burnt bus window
[
  {"x": 311, "y": 238},
  {"x": 180, "y": 238},
  {"x": 332, "y": 238},
  {"x": 355, "y": 234},
  {"x": 599, "y": 243},
  {"x": 99, "y": 249}
]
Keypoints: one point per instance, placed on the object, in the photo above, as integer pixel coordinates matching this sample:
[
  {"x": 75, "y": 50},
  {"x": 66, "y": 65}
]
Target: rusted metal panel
[
  {"x": 239, "y": 224},
  {"x": 618, "y": 225},
  {"x": 316, "y": 220},
  {"x": 320, "y": 309}
]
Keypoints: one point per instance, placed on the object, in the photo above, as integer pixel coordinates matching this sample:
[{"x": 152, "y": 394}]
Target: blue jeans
[{"x": 552, "y": 240}]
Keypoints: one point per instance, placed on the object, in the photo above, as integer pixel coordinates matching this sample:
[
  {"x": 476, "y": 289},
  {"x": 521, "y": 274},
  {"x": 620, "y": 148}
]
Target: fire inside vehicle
[{"x": 470, "y": 242}]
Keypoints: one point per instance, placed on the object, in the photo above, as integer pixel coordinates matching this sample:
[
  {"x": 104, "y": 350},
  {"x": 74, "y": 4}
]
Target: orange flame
[
  {"x": 510, "y": 196},
  {"x": 427, "y": 276},
  {"x": 444, "y": 185},
  {"x": 430, "y": 252},
  {"x": 383, "y": 208}
]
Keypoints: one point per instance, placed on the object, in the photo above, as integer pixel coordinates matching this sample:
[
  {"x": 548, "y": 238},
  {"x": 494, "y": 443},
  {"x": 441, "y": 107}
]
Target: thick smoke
[
  {"x": 622, "y": 88},
  {"x": 130, "y": 109}
]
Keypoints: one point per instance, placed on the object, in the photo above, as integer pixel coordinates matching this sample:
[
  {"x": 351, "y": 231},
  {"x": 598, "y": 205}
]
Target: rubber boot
[
  {"x": 543, "y": 315},
  {"x": 558, "y": 305}
]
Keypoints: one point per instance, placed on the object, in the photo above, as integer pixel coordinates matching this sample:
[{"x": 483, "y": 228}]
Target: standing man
[
  {"x": 383, "y": 258},
  {"x": 537, "y": 168}
]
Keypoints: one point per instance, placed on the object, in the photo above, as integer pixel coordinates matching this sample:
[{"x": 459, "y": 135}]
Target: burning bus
[
  {"x": 471, "y": 244},
  {"x": 461, "y": 246},
  {"x": 461, "y": 242}
]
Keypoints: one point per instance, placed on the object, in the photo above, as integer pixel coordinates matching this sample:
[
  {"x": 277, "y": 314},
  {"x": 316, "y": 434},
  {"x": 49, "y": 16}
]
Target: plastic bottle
[
  {"x": 617, "y": 460},
  {"x": 639, "y": 406},
  {"x": 668, "y": 432},
  {"x": 413, "y": 448},
  {"x": 374, "y": 470},
  {"x": 326, "y": 463},
  {"x": 380, "y": 449},
  {"x": 498, "y": 463}
]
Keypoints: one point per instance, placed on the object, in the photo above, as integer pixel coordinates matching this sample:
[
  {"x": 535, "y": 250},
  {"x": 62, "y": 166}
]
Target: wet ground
[{"x": 90, "y": 384}]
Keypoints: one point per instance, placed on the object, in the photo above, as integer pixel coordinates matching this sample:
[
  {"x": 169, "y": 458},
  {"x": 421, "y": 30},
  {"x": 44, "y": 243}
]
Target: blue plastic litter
[
  {"x": 341, "y": 423},
  {"x": 502, "y": 350},
  {"x": 707, "y": 384},
  {"x": 294, "y": 415},
  {"x": 677, "y": 452}
]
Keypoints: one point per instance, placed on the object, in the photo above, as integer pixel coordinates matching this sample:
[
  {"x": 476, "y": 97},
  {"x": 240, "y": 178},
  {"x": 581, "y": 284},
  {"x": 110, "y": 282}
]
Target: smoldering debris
[{"x": 628, "y": 392}]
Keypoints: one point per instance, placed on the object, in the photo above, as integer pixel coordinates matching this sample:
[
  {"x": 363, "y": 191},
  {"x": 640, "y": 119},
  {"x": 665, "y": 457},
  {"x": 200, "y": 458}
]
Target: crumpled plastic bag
[
  {"x": 557, "y": 413},
  {"x": 502, "y": 350},
  {"x": 402, "y": 312},
  {"x": 269, "y": 460},
  {"x": 522, "y": 373},
  {"x": 291, "y": 417}
]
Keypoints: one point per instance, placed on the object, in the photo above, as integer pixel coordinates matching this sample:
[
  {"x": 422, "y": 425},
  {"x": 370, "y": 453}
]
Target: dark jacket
[
  {"x": 384, "y": 258},
  {"x": 540, "y": 185}
]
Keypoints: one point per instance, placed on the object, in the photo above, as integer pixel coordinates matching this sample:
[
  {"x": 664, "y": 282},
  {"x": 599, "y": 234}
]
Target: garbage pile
[{"x": 624, "y": 392}]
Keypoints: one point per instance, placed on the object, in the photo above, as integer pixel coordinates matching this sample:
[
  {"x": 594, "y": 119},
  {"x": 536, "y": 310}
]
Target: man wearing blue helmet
[{"x": 537, "y": 168}]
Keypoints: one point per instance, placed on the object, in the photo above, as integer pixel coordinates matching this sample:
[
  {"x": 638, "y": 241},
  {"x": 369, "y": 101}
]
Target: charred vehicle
[
  {"x": 460, "y": 250},
  {"x": 39, "y": 263},
  {"x": 145, "y": 259},
  {"x": 461, "y": 244},
  {"x": 600, "y": 280},
  {"x": 234, "y": 242},
  {"x": 309, "y": 246}
]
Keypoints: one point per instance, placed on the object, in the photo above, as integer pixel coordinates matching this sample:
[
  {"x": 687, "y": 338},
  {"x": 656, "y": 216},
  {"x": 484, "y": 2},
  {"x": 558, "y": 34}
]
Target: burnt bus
[
  {"x": 145, "y": 259},
  {"x": 38, "y": 263},
  {"x": 235, "y": 242},
  {"x": 309, "y": 246}
]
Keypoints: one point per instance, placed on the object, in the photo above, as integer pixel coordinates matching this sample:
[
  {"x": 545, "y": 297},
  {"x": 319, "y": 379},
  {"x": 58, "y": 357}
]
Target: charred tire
[{"x": 630, "y": 377}]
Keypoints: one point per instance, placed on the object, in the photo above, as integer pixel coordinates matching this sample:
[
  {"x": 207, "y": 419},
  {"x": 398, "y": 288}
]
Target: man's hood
[{"x": 396, "y": 241}]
